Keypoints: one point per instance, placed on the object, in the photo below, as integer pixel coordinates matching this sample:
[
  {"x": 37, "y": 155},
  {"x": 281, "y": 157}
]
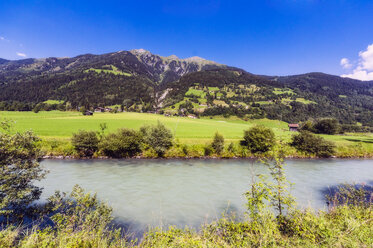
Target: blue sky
[{"x": 273, "y": 37}]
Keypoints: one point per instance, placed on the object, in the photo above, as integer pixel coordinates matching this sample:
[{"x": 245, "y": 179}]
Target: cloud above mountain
[
  {"x": 363, "y": 69},
  {"x": 345, "y": 63},
  {"x": 21, "y": 55}
]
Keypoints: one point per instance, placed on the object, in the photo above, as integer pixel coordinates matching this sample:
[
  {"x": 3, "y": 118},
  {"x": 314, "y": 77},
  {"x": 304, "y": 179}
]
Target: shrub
[
  {"x": 310, "y": 143},
  {"x": 258, "y": 139},
  {"x": 185, "y": 150},
  {"x": 85, "y": 142},
  {"x": 122, "y": 144},
  {"x": 231, "y": 148},
  {"x": 82, "y": 110},
  {"x": 327, "y": 126},
  {"x": 218, "y": 143},
  {"x": 307, "y": 126},
  {"x": 19, "y": 169},
  {"x": 157, "y": 137},
  {"x": 207, "y": 150},
  {"x": 350, "y": 194},
  {"x": 355, "y": 128}
]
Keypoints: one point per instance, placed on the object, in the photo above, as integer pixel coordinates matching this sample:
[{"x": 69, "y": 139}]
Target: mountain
[
  {"x": 131, "y": 75},
  {"x": 141, "y": 81},
  {"x": 3, "y": 61}
]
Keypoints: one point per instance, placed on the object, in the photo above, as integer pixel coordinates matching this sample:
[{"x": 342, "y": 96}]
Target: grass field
[
  {"x": 61, "y": 125},
  {"x": 56, "y": 125},
  {"x": 111, "y": 69}
]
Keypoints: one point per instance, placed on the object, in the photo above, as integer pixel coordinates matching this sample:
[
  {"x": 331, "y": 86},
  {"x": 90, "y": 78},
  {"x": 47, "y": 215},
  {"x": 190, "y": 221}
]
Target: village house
[
  {"x": 88, "y": 112},
  {"x": 293, "y": 127},
  {"x": 99, "y": 109}
]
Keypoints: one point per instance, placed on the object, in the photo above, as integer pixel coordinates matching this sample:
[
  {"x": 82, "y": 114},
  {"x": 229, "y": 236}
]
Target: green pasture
[
  {"x": 279, "y": 91},
  {"x": 111, "y": 69},
  {"x": 196, "y": 92},
  {"x": 60, "y": 126},
  {"x": 53, "y": 102}
]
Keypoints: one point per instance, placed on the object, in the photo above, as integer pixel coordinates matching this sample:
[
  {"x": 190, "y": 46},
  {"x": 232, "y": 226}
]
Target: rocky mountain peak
[{"x": 140, "y": 51}]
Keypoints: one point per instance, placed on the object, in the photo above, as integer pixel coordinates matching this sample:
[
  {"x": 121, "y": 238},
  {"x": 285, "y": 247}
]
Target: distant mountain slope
[
  {"x": 141, "y": 81},
  {"x": 94, "y": 79}
]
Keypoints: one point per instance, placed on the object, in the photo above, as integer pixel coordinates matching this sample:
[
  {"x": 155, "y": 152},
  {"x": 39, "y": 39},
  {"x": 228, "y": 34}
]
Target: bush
[
  {"x": 350, "y": 194},
  {"x": 19, "y": 170},
  {"x": 157, "y": 137},
  {"x": 327, "y": 126},
  {"x": 85, "y": 143},
  {"x": 307, "y": 126},
  {"x": 231, "y": 148},
  {"x": 355, "y": 129},
  {"x": 218, "y": 143},
  {"x": 207, "y": 150},
  {"x": 258, "y": 139},
  {"x": 310, "y": 143},
  {"x": 185, "y": 150},
  {"x": 122, "y": 144}
]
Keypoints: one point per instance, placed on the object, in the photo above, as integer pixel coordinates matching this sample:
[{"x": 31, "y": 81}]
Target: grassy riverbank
[
  {"x": 55, "y": 128},
  {"x": 87, "y": 224}
]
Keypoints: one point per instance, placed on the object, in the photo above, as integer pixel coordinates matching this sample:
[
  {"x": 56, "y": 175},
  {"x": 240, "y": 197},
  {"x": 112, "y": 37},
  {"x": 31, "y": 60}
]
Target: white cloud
[
  {"x": 367, "y": 58},
  {"x": 2, "y": 38},
  {"x": 360, "y": 75},
  {"x": 345, "y": 63},
  {"x": 21, "y": 55},
  {"x": 364, "y": 69}
]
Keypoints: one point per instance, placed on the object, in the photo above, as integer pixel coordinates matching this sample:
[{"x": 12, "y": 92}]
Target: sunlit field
[{"x": 61, "y": 125}]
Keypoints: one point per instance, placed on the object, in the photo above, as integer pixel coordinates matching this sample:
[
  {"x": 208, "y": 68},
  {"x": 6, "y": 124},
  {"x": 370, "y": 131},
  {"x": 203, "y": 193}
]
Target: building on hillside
[
  {"x": 88, "y": 112},
  {"x": 293, "y": 127},
  {"x": 192, "y": 116},
  {"x": 99, "y": 109}
]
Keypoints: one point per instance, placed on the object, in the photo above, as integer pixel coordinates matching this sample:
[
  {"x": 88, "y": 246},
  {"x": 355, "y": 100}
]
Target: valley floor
[{"x": 55, "y": 128}]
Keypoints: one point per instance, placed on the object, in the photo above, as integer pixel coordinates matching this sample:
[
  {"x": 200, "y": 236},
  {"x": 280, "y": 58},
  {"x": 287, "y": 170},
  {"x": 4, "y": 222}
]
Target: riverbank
[
  {"x": 179, "y": 151},
  {"x": 186, "y": 158},
  {"x": 345, "y": 226}
]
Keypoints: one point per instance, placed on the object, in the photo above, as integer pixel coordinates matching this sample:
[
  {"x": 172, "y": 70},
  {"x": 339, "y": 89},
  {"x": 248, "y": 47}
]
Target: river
[{"x": 191, "y": 192}]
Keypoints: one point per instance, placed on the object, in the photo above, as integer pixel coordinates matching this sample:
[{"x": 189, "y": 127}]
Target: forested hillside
[{"x": 140, "y": 81}]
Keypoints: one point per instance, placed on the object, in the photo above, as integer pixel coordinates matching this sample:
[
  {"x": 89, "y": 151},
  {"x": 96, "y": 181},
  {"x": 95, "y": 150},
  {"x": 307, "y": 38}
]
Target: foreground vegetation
[
  {"x": 191, "y": 136},
  {"x": 80, "y": 220}
]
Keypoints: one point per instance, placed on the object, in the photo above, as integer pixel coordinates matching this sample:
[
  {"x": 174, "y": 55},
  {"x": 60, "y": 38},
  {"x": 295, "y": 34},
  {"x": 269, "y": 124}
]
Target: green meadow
[{"x": 59, "y": 126}]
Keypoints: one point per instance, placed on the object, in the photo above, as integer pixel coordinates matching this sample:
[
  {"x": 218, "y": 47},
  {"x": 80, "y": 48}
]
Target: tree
[
  {"x": 310, "y": 143},
  {"x": 218, "y": 143},
  {"x": 157, "y": 137},
  {"x": 231, "y": 148},
  {"x": 103, "y": 127},
  {"x": 259, "y": 139},
  {"x": 85, "y": 143},
  {"x": 307, "y": 126},
  {"x": 82, "y": 110},
  {"x": 327, "y": 126},
  {"x": 122, "y": 144},
  {"x": 273, "y": 193},
  {"x": 19, "y": 168}
]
